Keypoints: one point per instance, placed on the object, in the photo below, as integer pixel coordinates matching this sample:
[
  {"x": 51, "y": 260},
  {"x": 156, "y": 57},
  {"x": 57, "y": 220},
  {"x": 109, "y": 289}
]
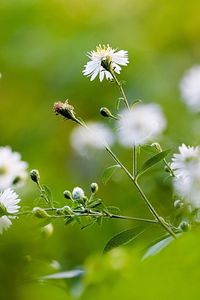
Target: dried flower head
[{"x": 64, "y": 109}]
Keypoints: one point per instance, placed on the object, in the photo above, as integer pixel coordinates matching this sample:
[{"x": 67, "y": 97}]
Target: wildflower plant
[{"x": 138, "y": 126}]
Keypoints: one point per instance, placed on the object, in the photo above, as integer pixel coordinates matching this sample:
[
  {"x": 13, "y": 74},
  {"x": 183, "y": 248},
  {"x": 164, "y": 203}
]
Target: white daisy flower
[
  {"x": 187, "y": 162},
  {"x": 78, "y": 193},
  {"x": 141, "y": 124},
  {"x": 8, "y": 206},
  {"x": 102, "y": 59},
  {"x": 190, "y": 88},
  {"x": 96, "y": 136},
  {"x": 12, "y": 169}
]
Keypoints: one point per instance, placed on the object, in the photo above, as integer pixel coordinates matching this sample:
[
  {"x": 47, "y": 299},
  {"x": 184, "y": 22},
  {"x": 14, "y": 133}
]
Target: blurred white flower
[
  {"x": 189, "y": 189},
  {"x": 187, "y": 162},
  {"x": 101, "y": 59},
  {"x": 12, "y": 169},
  {"x": 78, "y": 193},
  {"x": 8, "y": 206},
  {"x": 97, "y": 136},
  {"x": 190, "y": 88},
  {"x": 141, "y": 124}
]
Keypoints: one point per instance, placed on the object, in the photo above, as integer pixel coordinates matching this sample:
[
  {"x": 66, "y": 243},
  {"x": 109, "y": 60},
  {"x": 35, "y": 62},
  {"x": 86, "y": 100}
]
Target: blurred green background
[{"x": 43, "y": 47}]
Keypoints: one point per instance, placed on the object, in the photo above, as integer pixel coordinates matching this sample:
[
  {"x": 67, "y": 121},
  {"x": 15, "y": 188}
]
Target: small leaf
[
  {"x": 136, "y": 101},
  {"x": 149, "y": 149},
  {"x": 94, "y": 203},
  {"x": 123, "y": 238},
  {"x": 153, "y": 160},
  {"x": 158, "y": 246},
  {"x": 69, "y": 220},
  {"x": 108, "y": 173},
  {"x": 113, "y": 209},
  {"x": 64, "y": 275},
  {"x": 48, "y": 194}
]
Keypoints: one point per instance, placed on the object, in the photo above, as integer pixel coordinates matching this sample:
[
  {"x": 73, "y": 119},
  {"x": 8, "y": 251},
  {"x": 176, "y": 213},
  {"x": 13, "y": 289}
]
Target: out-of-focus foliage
[{"x": 42, "y": 53}]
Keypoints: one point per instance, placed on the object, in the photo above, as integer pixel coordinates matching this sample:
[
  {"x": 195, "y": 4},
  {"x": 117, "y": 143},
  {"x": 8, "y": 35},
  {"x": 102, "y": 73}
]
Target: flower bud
[
  {"x": 105, "y": 112},
  {"x": 47, "y": 230},
  {"x": 35, "y": 176},
  {"x": 78, "y": 193},
  {"x": 64, "y": 109},
  {"x": 67, "y": 210},
  {"x": 178, "y": 204},
  {"x": 185, "y": 226},
  {"x": 94, "y": 187},
  {"x": 67, "y": 194},
  {"x": 40, "y": 213},
  {"x": 157, "y": 146}
]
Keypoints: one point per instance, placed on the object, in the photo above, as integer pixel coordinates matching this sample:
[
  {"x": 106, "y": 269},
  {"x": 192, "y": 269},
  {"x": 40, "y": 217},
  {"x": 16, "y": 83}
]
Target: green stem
[
  {"x": 168, "y": 167},
  {"x": 151, "y": 208},
  {"x": 134, "y": 161},
  {"x": 120, "y": 88}
]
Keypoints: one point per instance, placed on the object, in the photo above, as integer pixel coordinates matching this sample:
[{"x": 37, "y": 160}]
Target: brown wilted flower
[{"x": 64, "y": 109}]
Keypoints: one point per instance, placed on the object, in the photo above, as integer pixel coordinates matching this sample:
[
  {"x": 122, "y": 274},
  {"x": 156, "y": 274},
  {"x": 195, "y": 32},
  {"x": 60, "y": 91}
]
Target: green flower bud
[
  {"x": 35, "y": 176},
  {"x": 178, "y": 204},
  {"x": 67, "y": 195},
  {"x": 157, "y": 146},
  {"x": 94, "y": 187},
  {"x": 185, "y": 226},
  {"x": 40, "y": 213},
  {"x": 47, "y": 230},
  {"x": 67, "y": 210},
  {"x": 105, "y": 112}
]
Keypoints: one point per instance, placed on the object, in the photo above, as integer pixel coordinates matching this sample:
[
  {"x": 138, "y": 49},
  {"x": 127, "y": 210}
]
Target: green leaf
[
  {"x": 94, "y": 203},
  {"x": 153, "y": 160},
  {"x": 64, "y": 275},
  {"x": 149, "y": 149},
  {"x": 69, "y": 220},
  {"x": 48, "y": 194},
  {"x": 136, "y": 101},
  {"x": 158, "y": 246},
  {"x": 113, "y": 209},
  {"x": 108, "y": 173},
  {"x": 123, "y": 238}
]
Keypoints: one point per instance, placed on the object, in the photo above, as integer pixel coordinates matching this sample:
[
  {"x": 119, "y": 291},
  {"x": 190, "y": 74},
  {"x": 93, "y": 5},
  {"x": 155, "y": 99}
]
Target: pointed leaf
[
  {"x": 158, "y": 246},
  {"x": 149, "y": 149},
  {"x": 94, "y": 203},
  {"x": 153, "y": 160},
  {"x": 64, "y": 275},
  {"x": 123, "y": 238},
  {"x": 48, "y": 194},
  {"x": 113, "y": 209},
  {"x": 108, "y": 173}
]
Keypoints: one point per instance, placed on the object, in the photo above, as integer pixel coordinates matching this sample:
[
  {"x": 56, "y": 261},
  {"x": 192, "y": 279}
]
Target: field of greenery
[{"x": 43, "y": 51}]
